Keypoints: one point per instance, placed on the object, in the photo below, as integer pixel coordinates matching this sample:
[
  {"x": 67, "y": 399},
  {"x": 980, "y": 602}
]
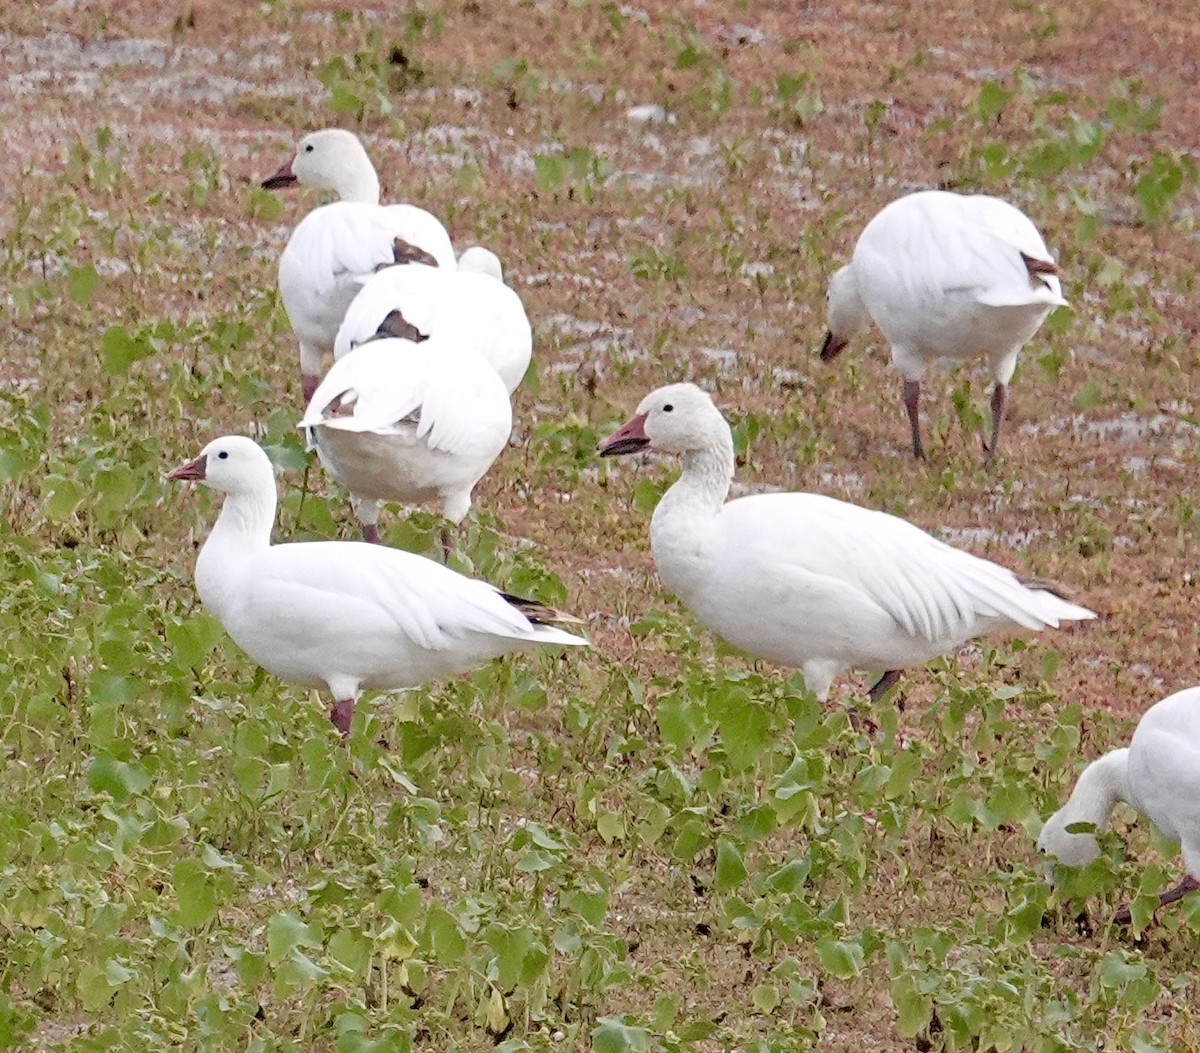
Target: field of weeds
[{"x": 656, "y": 844}]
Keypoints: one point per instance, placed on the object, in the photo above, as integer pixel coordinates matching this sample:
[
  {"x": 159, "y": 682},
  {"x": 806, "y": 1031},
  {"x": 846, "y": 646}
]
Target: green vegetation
[{"x": 657, "y": 845}]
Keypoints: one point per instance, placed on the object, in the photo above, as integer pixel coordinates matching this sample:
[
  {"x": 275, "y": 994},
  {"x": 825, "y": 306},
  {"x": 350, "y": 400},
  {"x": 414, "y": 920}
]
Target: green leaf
[
  {"x": 82, "y": 282},
  {"x": 444, "y": 936},
  {"x": 1089, "y": 396},
  {"x": 119, "y": 779},
  {"x": 611, "y": 827},
  {"x": 612, "y": 1035},
  {"x": 120, "y": 350},
  {"x": 840, "y": 958},
  {"x": 731, "y": 870},
  {"x": 286, "y": 932},
  {"x": 195, "y": 893}
]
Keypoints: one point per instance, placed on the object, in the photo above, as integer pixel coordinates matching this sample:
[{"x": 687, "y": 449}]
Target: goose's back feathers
[
  {"x": 470, "y": 309},
  {"x": 1164, "y": 769},
  {"x": 340, "y": 612},
  {"x": 947, "y": 276},
  {"x": 798, "y": 576}
]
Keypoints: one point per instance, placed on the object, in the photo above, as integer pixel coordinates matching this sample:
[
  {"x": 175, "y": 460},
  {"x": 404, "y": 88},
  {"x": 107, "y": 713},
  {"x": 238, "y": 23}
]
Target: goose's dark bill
[
  {"x": 192, "y": 471},
  {"x": 629, "y": 438},
  {"x": 832, "y": 347},
  {"x": 284, "y": 177}
]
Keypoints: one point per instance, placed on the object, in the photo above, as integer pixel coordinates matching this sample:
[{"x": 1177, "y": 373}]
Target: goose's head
[
  {"x": 846, "y": 312},
  {"x": 231, "y": 464},
  {"x": 680, "y": 418},
  {"x": 332, "y": 159},
  {"x": 1073, "y": 850}
]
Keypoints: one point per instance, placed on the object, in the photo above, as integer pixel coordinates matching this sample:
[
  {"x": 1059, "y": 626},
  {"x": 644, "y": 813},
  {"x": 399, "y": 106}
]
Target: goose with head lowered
[
  {"x": 398, "y": 420},
  {"x": 338, "y": 245},
  {"x": 1157, "y": 774},
  {"x": 344, "y": 615},
  {"x": 946, "y": 277},
  {"x": 809, "y": 581}
]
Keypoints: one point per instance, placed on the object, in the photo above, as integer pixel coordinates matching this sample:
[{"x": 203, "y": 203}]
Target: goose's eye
[
  {"x": 667, "y": 408},
  {"x": 222, "y": 455},
  {"x": 309, "y": 148}
]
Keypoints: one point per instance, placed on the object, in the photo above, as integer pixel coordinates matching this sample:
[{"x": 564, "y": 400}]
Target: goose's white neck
[
  {"x": 358, "y": 182},
  {"x": 680, "y": 529},
  {"x": 704, "y": 485},
  {"x": 1103, "y": 783},
  {"x": 242, "y": 531}
]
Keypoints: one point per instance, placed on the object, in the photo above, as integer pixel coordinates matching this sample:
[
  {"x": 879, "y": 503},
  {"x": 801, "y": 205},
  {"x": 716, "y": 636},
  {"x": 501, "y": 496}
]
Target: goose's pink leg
[{"x": 341, "y": 714}]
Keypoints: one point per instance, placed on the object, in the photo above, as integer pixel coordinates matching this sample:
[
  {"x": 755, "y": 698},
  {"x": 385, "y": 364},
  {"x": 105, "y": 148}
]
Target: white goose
[
  {"x": 468, "y": 307},
  {"x": 809, "y": 581},
  {"x": 344, "y": 616},
  {"x": 337, "y": 245},
  {"x": 395, "y": 420},
  {"x": 946, "y": 276},
  {"x": 1158, "y": 774}
]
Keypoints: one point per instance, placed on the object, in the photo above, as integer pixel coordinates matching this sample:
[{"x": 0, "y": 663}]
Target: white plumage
[
  {"x": 946, "y": 276},
  {"x": 806, "y": 580},
  {"x": 1158, "y": 774},
  {"x": 395, "y": 420},
  {"x": 468, "y": 308},
  {"x": 337, "y": 246},
  {"x": 345, "y": 616}
]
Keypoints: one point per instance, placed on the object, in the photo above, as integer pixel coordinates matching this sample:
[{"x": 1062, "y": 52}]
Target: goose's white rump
[
  {"x": 347, "y": 616},
  {"x": 946, "y": 276},
  {"x": 809, "y": 581},
  {"x": 1158, "y": 774},
  {"x": 395, "y": 420}
]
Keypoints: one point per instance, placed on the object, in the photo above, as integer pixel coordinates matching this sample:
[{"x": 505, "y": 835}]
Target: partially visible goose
[
  {"x": 395, "y": 420},
  {"x": 946, "y": 276},
  {"x": 1158, "y": 774},
  {"x": 469, "y": 307},
  {"x": 343, "y": 615},
  {"x": 809, "y": 581},
  {"x": 337, "y": 245}
]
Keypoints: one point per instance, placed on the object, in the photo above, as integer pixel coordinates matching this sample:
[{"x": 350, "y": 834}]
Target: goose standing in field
[
  {"x": 397, "y": 420},
  {"x": 470, "y": 306},
  {"x": 809, "y": 581},
  {"x": 337, "y": 245},
  {"x": 946, "y": 276},
  {"x": 1158, "y": 774},
  {"x": 343, "y": 615}
]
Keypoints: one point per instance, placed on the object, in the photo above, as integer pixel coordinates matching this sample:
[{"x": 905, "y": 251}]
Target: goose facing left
[
  {"x": 336, "y": 246},
  {"x": 1158, "y": 774},
  {"x": 946, "y": 276},
  {"x": 808, "y": 581},
  {"x": 345, "y": 616}
]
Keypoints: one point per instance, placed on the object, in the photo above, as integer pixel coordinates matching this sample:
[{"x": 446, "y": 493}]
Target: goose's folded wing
[
  {"x": 415, "y": 290},
  {"x": 370, "y": 588},
  {"x": 931, "y": 590},
  {"x": 424, "y": 231},
  {"x": 938, "y": 245}
]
